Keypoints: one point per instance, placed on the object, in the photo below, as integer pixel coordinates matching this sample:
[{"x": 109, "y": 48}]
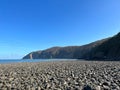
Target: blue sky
[{"x": 30, "y": 25}]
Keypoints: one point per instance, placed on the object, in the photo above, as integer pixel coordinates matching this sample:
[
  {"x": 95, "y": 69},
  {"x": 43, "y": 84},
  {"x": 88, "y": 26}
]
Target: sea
[{"x": 7, "y": 61}]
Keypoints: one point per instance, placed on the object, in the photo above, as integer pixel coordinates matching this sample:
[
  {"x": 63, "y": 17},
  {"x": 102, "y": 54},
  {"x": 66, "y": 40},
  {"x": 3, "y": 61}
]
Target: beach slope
[{"x": 61, "y": 75}]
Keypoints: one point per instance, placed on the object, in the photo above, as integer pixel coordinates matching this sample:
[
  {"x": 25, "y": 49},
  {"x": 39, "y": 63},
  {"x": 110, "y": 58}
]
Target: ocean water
[{"x": 6, "y": 61}]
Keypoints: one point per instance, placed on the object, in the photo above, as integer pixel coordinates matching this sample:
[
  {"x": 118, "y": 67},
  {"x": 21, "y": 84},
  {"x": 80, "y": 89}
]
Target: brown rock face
[{"x": 105, "y": 49}]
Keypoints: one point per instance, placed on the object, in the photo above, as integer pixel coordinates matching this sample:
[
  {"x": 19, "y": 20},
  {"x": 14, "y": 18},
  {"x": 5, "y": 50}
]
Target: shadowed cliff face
[{"x": 108, "y": 49}]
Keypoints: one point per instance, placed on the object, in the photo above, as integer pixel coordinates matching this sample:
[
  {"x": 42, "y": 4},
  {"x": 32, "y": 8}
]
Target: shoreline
[
  {"x": 60, "y": 75},
  {"x": 10, "y": 61}
]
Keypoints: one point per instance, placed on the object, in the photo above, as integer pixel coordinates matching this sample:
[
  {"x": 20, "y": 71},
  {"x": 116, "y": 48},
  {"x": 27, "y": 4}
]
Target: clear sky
[{"x": 30, "y": 25}]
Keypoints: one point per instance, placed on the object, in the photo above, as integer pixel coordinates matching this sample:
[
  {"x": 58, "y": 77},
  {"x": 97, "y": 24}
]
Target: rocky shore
[{"x": 61, "y": 75}]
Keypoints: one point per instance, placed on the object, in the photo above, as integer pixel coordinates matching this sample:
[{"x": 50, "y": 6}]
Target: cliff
[
  {"x": 108, "y": 50},
  {"x": 105, "y": 49}
]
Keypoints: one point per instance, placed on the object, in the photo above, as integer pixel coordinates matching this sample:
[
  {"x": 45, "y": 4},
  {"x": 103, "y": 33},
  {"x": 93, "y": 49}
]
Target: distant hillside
[
  {"x": 106, "y": 49},
  {"x": 54, "y": 52},
  {"x": 70, "y": 52}
]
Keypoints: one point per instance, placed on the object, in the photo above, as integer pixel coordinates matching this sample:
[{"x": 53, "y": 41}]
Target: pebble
[
  {"x": 98, "y": 88},
  {"x": 87, "y": 87},
  {"x": 61, "y": 75},
  {"x": 106, "y": 87}
]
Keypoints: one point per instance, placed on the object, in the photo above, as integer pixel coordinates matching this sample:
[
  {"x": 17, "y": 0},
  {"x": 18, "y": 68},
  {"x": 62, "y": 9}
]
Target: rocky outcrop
[{"x": 105, "y": 49}]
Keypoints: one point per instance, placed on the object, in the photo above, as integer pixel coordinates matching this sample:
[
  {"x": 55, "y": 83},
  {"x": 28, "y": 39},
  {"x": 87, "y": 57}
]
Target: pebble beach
[{"x": 61, "y": 75}]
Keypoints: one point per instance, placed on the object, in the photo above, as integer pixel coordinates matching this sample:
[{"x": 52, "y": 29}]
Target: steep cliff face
[
  {"x": 32, "y": 55},
  {"x": 106, "y": 49},
  {"x": 70, "y": 52},
  {"x": 83, "y": 51}
]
